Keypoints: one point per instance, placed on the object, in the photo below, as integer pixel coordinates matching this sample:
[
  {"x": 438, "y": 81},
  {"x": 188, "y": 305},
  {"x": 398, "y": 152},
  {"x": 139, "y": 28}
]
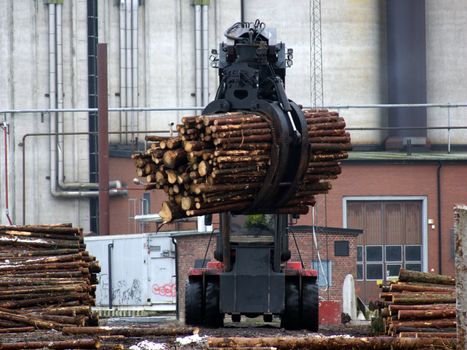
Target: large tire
[
  {"x": 194, "y": 303},
  {"x": 310, "y": 304},
  {"x": 213, "y": 317},
  {"x": 290, "y": 318}
]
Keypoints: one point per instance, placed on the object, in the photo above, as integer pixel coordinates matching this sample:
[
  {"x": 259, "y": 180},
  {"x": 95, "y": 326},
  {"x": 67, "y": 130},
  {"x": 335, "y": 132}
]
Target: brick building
[{"x": 403, "y": 203}]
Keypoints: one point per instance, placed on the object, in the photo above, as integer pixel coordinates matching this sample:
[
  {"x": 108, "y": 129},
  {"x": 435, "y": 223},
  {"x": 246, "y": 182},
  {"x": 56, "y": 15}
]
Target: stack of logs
[
  {"x": 218, "y": 163},
  {"x": 47, "y": 278},
  {"x": 419, "y": 304}
]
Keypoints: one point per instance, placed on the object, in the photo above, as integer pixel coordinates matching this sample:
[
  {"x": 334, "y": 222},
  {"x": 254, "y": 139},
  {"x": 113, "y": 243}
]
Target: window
[
  {"x": 327, "y": 267},
  {"x": 413, "y": 253},
  {"x": 374, "y": 253},
  {"x": 360, "y": 263},
  {"x": 374, "y": 262},
  {"x": 146, "y": 203},
  {"x": 374, "y": 271},
  {"x": 392, "y": 270},
  {"x": 393, "y": 253},
  {"x": 413, "y": 257},
  {"x": 341, "y": 248},
  {"x": 393, "y": 259}
]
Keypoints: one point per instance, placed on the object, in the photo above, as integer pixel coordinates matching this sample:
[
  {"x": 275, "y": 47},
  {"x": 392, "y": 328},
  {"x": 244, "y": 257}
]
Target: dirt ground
[{"x": 247, "y": 328}]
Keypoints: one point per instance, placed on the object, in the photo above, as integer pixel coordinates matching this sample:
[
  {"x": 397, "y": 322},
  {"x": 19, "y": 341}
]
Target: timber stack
[
  {"x": 219, "y": 162},
  {"x": 419, "y": 304},
  {"x": 47, "y": 278}
]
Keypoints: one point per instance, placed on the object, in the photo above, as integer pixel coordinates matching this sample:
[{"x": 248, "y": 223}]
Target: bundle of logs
[
  {"x": 218, "y": 163},
  {"x": 47, "y": 278},
  {"x": 419, "y": 304}
]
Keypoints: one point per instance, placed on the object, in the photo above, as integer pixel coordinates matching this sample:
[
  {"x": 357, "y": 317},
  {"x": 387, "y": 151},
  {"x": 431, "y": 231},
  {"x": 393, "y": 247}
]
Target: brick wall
[
  {"x": 190, "y": 248},
  {"x": 193, "y": 247},
  {"x": 341, "y": 265}
]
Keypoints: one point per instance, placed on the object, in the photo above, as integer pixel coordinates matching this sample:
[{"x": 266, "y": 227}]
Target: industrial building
[{"x": 408, "y": 166}]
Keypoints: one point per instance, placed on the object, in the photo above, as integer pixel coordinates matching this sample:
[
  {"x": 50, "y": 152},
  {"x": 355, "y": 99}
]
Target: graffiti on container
[
  {"x": 165, "y": 290},
  {"x": 127, "y": 294}
]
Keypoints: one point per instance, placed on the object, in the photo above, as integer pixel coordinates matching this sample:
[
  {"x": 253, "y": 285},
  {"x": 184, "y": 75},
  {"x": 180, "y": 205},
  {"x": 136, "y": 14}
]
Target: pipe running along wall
[
  {"x": 202, "y": 67},
  {"x": 58, "y": 186},
  {"x": 128, "y": 67}
]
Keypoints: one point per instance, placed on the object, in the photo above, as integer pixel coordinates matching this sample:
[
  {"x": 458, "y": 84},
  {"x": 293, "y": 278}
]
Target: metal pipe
[
  {"x": 449, "y": 130},
  {"x": 198, "y": 56},
  {"x": 200, "y": 108},
  {"x": 128, "y": 65},
  {"x": 109, "y": 260},
  {"x": 205, "y": 54},
  {"x": 134, "y": 66},
  {"x": 177, "y": 302},
  {"x": 122, "y": 67},
  {"x": 111, "y": 109},
  {"x": 242, "y": 11},
  {"x": 103, "y": 117},
  {"x": 72, "y": 194},
  {"x": 4, "y": 126},
  {"x": 440, "y": 231}
]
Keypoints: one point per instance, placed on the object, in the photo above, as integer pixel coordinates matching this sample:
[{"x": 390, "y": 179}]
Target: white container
[{"x": 141, "y": 268}]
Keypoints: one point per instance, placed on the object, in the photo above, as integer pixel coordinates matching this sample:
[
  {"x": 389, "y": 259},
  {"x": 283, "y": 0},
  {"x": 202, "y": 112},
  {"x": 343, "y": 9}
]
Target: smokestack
[{"x": 406, "y": 53}]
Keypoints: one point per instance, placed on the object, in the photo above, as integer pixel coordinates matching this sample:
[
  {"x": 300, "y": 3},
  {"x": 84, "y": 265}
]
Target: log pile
[
  {"x": 419, "y": 304},
  {"x": 218, "y": 163},
  {"x": 330, "y": 343},
  {"x": 47, "y": 278}
]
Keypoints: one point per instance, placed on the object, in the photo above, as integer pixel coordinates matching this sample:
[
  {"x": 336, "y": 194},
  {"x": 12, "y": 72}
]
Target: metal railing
[{"x": 154, "y": 112}]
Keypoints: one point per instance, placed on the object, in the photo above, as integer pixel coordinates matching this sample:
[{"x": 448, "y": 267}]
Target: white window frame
[
  {"x": 374, "y": 262},
  {"x": 424, "y": 201}
]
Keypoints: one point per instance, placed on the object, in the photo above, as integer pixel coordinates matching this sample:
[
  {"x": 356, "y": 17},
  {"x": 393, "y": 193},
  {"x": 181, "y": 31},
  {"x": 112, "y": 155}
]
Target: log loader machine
[{"x": 253, "y": 275}]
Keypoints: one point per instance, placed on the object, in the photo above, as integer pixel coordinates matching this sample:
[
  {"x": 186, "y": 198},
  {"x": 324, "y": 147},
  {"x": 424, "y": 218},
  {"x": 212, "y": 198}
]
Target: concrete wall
[
  {"x": 446, "y": 39},
  {"x": 354, "y": 52},
  {"x": 24, "y": 84}
]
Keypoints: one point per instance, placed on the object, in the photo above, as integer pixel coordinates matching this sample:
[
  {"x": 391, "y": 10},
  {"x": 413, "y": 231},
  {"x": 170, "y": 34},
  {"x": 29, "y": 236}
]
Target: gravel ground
[{"x": 247, "y": 328}]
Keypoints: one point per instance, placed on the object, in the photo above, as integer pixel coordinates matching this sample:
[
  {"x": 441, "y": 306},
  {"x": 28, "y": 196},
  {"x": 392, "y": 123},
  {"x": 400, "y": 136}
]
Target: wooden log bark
[
  {"x": 425, "y": 277},
  {"x": 438, "y": 299},
  {"x": 52, "y": 344},
  {"x": 243, "y": 139},
  {"x": 231, "y": 127},
  {"x": 241, "y": 132},
  {"x": 205, "y": 188},
  {"x": 394, "y": 308},
  {"x": 174, "y": 158},
  {"x": 36, "y": 322},
  {"x": 242, "y": 119},
  {"x": 170, "y": 211},
  {"x": 43, "y": 229},
  {"x": 426, "y": 314},
  {"x": 335, "y": 342},
  {"x": 435, "y": 323},
  {"x": 17, "y": 330},
  {"x": 401, "y": 286},
  {"x": 129, "y": 331},
  {"x": 427, "y": 334}
]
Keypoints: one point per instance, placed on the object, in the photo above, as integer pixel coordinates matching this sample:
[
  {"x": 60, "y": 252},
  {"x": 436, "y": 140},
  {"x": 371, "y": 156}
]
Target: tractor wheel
[
  {"x": 310, "y": 304},
  {"x": 194, "y": 303},
  {"x": 290, "y": 318},
  {"x": 213, "y": 317}
]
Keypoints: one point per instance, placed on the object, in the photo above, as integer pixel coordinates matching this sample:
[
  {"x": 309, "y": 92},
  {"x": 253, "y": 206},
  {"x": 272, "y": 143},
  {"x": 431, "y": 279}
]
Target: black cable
[
  {"x": 207, "y": 248},
  {"x": 298, "y": 250}
]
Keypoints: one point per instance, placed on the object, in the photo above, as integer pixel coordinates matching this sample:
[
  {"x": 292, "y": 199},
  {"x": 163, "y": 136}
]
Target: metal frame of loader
[{"x": 251, "y": 277}]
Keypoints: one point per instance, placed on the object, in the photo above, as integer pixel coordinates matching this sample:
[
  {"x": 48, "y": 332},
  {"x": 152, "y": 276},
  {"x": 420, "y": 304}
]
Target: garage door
[{"x": 392, "y": 238}]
